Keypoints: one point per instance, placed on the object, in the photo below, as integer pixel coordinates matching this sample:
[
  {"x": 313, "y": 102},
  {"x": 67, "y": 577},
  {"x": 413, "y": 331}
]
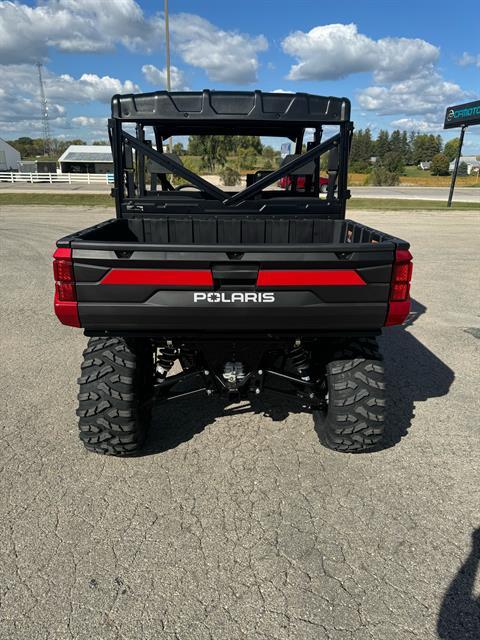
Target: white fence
[{"x": 66, "y": 178}]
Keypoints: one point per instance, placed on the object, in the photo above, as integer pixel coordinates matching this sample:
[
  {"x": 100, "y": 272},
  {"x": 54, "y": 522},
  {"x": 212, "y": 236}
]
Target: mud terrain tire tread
[
  {"x": 114, "y": 396},
  {"x": 354, "y": 418}
]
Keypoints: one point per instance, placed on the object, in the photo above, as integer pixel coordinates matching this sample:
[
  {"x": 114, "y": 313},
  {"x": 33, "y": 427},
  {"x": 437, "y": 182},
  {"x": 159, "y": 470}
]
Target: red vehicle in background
[{"x": 286, "y": 183}]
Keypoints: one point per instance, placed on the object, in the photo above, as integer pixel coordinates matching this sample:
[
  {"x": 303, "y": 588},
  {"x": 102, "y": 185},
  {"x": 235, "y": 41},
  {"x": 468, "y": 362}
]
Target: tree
[
  {"x": 393, "y": 162},
  {"x": 212, "y": 149},
  {"x": 425, "y": 147},
  {"x": 396, "y": 142},
  {"x": 33, "y": 147},
  {"x": 247, "y": 158},
  {"x": 178, "y": 149},
  {"x": 363, "y": 147},
  {"x": 451, "y": 148},
  {"x": 247, "y": 142},
  {"x": 406, "y": 155},
  {"x": 382, "y": 145},
  {"x": 462, "y": 169},
  {"x": 411, "y": 143},
  {"x": 439, "y": 165},
  {"x": 268, "y": 152}
]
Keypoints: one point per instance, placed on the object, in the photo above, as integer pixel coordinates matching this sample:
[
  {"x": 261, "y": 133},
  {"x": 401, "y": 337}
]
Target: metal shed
[{"x": 86, "y": 158}]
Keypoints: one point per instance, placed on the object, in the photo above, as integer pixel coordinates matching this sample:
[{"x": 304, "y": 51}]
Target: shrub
[
  {"x": 178, "y": 180},
  {"x": 439, "y": 166},
  {"x": 360, "y": 166},
  {"x": 247, "y": 158},
  {"x": 229, "y": 176},
  {"x": 380, "y": 176},
  {"x": 393, "y": 162}
]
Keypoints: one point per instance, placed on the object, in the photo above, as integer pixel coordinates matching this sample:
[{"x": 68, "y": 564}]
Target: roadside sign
[{"x": 462, "y": 114}]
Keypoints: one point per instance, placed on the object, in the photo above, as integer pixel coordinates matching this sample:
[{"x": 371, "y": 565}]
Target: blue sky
[{"x": 401, "y": 63}]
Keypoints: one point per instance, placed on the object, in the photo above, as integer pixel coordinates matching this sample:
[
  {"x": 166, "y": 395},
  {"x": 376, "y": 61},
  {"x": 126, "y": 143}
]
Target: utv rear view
[{"x": 196, "y": 290}]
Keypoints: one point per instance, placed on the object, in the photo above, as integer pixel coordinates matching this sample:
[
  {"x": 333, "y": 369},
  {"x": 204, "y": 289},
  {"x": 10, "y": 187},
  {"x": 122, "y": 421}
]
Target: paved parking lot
[{"x": 240, "y": 525}]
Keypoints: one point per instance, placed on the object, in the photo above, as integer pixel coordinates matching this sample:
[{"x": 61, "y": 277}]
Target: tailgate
[{"x": 275, "y": 289}]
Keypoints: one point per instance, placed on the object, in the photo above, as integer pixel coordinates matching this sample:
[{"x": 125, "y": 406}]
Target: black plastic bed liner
[{"x": 230, "y": 230}]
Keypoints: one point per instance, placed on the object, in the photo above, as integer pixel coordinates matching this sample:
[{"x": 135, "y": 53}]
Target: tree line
[
  {"x": 33, "y": 147},
  {"x": 393, "y": 151}
]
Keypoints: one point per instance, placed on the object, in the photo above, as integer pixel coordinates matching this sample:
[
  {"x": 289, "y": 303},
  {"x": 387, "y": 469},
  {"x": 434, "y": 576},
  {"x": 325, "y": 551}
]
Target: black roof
[{"x": 252, "y": 111}]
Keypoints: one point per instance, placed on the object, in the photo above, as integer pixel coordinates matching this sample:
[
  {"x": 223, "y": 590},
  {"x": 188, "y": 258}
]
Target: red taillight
[
  {"x": 65, "y": 303},
  {"x": 399, "y": 291},
  {"x": 399, "y": 305},
  {"x": 63, "y": 271},
  {"x": 65, "y": 292}
]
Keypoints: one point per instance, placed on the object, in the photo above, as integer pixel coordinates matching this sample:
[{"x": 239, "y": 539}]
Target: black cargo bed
[{"x": 229, "y": 230}]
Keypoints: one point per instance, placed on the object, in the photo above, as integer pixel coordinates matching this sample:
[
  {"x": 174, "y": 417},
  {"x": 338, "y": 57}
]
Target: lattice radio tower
[{"x": 44, "y": 110}]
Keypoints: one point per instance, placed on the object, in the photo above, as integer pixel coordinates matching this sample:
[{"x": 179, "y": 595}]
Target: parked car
[{"x": 286, "y": 183}]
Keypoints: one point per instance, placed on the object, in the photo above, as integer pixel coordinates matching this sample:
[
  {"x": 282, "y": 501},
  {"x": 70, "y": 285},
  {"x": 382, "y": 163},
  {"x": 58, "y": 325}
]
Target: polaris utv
[{"x": 249, "y": 291}]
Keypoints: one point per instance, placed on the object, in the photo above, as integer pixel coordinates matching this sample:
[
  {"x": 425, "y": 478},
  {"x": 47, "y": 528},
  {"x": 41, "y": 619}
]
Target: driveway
[{"x": 237, "y": 524}]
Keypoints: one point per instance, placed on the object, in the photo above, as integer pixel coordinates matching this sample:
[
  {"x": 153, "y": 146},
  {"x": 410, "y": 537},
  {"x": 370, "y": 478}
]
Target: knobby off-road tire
[
  {"x": 115, "y": 395},
  {"x": 353, "y": 420}
]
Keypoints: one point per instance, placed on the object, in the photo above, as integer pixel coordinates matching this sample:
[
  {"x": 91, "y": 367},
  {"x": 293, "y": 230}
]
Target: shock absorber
[
  {"x": 166, "y": 357},
  {"x": 300, "y": 360}
]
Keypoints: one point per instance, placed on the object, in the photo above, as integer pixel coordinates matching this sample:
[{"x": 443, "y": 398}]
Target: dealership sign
[{"x": 462, "y": 114}]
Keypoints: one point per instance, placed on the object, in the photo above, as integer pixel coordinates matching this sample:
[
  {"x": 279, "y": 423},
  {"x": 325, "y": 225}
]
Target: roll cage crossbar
[
  {"x": 228, "y": 200},
  {"x": 300, "y": 112}
]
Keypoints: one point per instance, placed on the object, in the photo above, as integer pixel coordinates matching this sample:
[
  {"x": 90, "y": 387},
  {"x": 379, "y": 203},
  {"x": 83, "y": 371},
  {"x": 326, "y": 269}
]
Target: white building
[
  {"x": 86, "y": 158},
  {"x": 9, "y": 157},
  {"x": 470, "y": 161}
]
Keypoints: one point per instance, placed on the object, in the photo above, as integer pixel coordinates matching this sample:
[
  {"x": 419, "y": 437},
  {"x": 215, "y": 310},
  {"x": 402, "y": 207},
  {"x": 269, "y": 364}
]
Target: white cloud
[
  {"x": 27, "y": 32},
  {"x": 158, "y": 77},
  {"x": 88, "y": 88},
  {"x": 334, "y": 51},
  {"x": 88, "y": 121},
  {"x": 225, "y": 56},
  {"x": 414, "y": 124},
  {"x": 426, "y": 93},
  {"x": 20, "y": 109},
  {"x": 468, "y": 59}
]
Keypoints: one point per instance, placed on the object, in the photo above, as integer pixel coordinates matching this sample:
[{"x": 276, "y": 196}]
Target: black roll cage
[{"x": 130, "y": 191}]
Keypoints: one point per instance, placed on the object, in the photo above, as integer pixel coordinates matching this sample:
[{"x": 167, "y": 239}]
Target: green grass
[
  {"x": 391, "y": 204},
  {"x": 69, "y": 199},
  {"x": 103, "y": 200}
]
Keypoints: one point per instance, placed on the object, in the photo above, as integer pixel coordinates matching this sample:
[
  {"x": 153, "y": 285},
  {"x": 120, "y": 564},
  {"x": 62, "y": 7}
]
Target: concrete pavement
[{"x": 238, "y": 525}]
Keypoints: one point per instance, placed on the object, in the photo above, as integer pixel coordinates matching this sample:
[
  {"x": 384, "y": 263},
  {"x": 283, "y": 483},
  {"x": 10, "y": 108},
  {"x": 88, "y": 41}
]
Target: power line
[{"x": 44, "y": 112}]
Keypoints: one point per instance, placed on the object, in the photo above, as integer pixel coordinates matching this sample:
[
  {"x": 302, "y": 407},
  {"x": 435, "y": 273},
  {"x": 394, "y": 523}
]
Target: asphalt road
[
  {"x": 462, "y": 194},
  {"x": 240, "y": 525}
]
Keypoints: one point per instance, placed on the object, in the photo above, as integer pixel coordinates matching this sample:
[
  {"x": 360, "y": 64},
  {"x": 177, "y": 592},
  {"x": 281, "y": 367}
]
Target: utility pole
[
  {"x": 167, "y": 53},
  {"x": 44, "y": 112}
]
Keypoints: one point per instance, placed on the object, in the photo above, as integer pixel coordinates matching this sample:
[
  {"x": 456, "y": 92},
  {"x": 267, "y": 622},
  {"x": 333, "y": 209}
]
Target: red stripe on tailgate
[
  {"x": 318, "y": 278},
  {"x": 169, "y": 277}
]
